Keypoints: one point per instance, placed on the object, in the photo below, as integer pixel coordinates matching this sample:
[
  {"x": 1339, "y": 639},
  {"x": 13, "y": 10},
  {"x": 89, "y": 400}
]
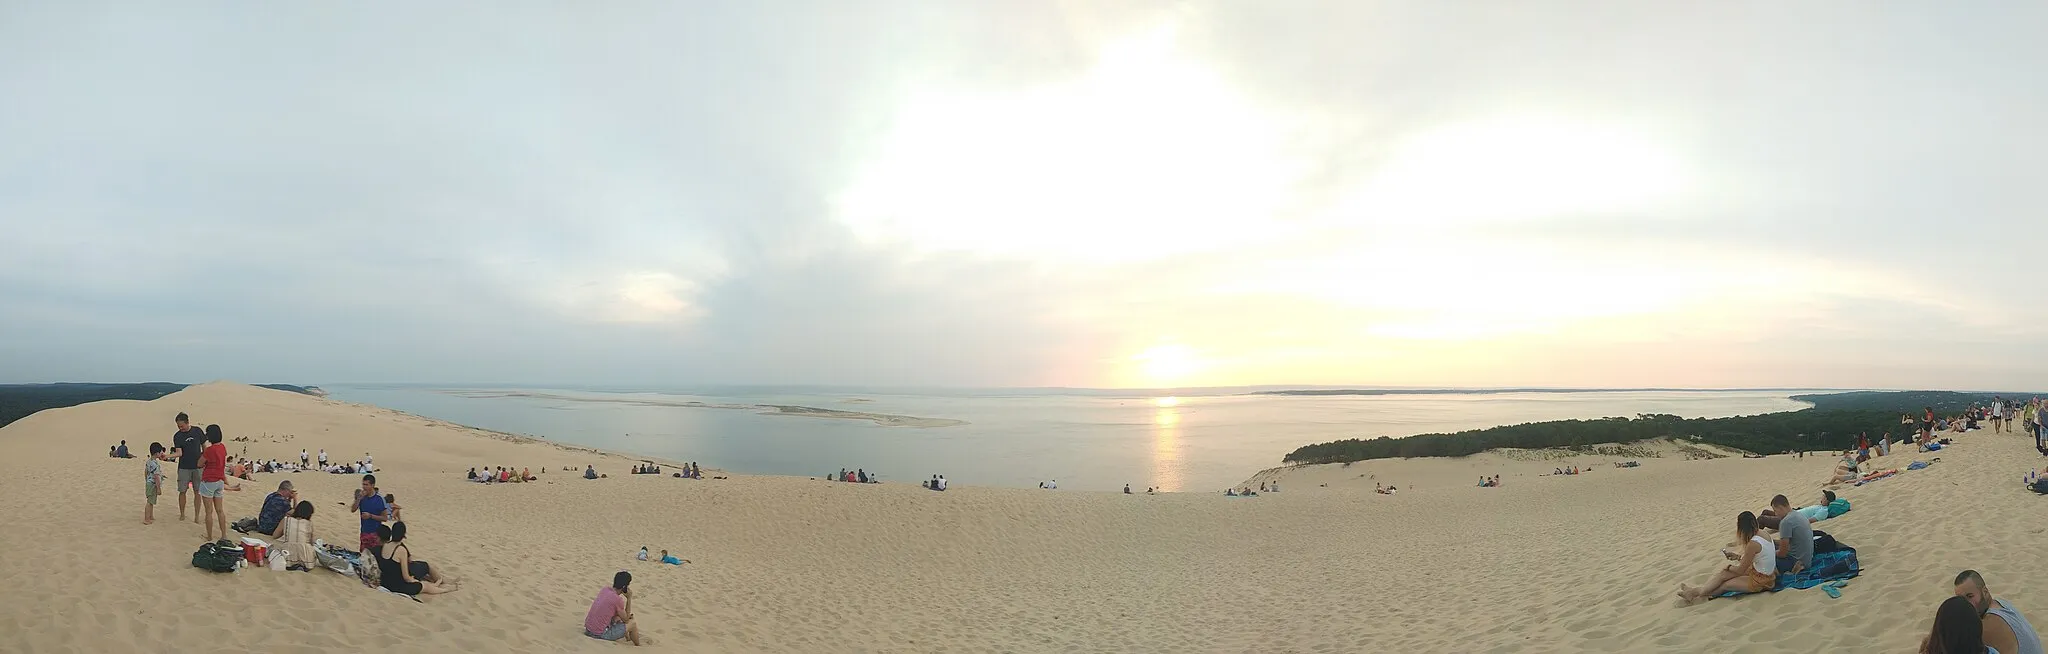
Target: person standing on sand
[
  {"x": 611, "y": 614},
  {"x": 213, "y": 478},
  {"x": 185, "y": 446},
  {"x": 304, "y": 459},
  {"x": 371, "y": 508},
  {"x": 323, "y": 457},
  {"x": 152, "y": 482},
  {"x": 2004, "y": 628}
]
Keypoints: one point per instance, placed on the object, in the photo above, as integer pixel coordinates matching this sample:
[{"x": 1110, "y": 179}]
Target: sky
[{"x": 995, "y": 194}]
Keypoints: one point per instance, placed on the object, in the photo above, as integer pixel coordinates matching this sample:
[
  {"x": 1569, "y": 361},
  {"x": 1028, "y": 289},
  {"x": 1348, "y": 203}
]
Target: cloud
[{"x": 992, "y": 194}]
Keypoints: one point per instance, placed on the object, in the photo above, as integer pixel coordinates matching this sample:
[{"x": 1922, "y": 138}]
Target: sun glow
[
  {"x": 1168, "y": 365},
  {"x": 1146, "y": 154}
]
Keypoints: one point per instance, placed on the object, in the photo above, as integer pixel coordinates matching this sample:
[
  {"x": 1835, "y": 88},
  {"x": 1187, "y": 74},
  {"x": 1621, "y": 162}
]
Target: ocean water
[{"x": 1097, "y": 440}]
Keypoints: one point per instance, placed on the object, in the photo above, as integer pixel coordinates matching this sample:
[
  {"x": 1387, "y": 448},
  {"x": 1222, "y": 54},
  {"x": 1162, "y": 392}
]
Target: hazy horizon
[{"x": 1155, "y": 195}]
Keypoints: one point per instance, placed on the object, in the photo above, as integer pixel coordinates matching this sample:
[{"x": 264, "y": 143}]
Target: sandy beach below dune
[{"x": 1581, "y": 563}]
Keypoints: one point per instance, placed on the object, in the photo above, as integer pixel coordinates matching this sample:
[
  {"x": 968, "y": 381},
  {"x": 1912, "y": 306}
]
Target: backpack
[
  {"x": 218, "y": 557},
  {"x": 366, "y": 569}
]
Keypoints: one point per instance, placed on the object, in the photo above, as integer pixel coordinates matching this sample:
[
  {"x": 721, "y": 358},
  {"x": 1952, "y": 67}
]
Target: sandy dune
[{"x": 1585, "y": 563}]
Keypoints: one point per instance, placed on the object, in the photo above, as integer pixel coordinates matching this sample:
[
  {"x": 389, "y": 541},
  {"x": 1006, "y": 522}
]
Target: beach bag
[
  {"x": 336, "y": 560},
  {"x": 366, "y": 570},
  {"x": 2041, "y": 486},
  {"x": 1823, "y": 543},
  {"x": 218, "y": 557}
]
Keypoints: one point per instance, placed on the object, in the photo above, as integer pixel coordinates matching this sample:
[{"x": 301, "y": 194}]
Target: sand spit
[{"x": 883, "y": 419}]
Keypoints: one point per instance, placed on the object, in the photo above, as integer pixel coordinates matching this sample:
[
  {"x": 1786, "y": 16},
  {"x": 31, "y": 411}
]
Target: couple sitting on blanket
[{"x": 1757, "y": 563}]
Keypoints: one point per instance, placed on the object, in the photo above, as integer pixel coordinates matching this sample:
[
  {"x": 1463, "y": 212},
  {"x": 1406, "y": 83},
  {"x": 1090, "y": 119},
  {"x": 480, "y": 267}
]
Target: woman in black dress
[{"x": 399, "y": 573}]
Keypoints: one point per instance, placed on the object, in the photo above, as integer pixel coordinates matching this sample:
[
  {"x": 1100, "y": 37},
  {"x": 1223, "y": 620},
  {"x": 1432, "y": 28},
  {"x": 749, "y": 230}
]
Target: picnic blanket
[{"x": 1827, "y": 566}]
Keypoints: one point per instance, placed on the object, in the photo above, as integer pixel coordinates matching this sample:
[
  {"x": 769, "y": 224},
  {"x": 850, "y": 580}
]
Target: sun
[{"x": 1168, "y": 364}]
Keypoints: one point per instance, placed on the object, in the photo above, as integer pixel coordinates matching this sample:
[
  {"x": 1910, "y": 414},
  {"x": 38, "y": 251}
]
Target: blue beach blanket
[{"x": 1827, "y": 566}]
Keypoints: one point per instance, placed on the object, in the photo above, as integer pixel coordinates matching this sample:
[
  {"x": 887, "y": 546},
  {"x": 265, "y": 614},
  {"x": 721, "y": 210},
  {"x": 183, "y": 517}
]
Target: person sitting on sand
[
  {"x": 296, "y": 534},
  {"x": 1127, "y": 489},
  {"x": 121, "y": 451},
  {"x": 275, "y": 506},
  {"x": 1795, "y": 535},
  {"x": 2003, "y": 626},
  {"x": 611, "y": 614},
  {"x": 643, "y": 553},
  {"x": 1956, "y": 630},
  {"x": 590, "y": 472},
  {"x": 665, "y": 558},
  {"x": 399, "y": 572},
  {"x": 1755, "y": 567},
  {"x": 1230, "y": 492},
  {"x": 527, "y": 473}
]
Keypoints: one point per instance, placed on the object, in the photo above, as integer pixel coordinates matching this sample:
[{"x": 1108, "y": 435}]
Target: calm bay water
[{"x": 1097, "y": 440}]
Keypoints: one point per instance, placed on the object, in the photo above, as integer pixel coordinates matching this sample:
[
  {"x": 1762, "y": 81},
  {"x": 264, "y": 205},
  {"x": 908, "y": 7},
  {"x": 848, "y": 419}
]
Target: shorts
[
  {"x": 211, "y": 488},
  {"x": 149, "y": 492},
  {"x": 614, "y": 632},
  {"x": 1762, "y": 582},
  {"x": 369, "y": 542},
  {"x": 187, "y": 477}
]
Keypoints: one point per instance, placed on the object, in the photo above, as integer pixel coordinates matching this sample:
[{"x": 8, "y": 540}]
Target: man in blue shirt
[
  {"x": 275, "y": 506},
  {"x": 374, "y": 512}
]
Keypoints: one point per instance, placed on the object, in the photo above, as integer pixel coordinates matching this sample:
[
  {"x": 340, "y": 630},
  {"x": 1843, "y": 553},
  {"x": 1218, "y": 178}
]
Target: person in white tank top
[{"x": 1755, "y": 567}]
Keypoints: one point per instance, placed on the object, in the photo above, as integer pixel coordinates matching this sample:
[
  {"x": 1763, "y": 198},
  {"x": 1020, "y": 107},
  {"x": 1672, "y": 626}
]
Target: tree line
[{"x": 1833, "y": 423}]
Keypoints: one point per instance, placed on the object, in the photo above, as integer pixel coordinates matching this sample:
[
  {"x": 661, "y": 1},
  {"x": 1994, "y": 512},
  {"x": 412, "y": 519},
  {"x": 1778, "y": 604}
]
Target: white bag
[{"x": 277, "y": 561}]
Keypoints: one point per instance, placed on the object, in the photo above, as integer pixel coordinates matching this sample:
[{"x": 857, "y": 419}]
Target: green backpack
[{"x": 218, "y": 557}]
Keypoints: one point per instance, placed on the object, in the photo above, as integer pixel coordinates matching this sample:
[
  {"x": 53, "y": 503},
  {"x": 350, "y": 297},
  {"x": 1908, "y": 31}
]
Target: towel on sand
[{"x": 1827, "y": 566}]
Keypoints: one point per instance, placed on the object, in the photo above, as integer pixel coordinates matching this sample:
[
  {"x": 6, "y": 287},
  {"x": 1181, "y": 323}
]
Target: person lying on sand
[
  {"x": 1755, "y": 567},
  {"x": 665, "y": 558},
  {"x": 1845, "y": 471}
]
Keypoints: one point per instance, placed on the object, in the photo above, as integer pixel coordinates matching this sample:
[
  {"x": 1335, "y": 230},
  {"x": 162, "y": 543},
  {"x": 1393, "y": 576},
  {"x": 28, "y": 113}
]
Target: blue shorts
[
  {"x": 211, "y": 488},
  {"x": 614, "y": 632}
]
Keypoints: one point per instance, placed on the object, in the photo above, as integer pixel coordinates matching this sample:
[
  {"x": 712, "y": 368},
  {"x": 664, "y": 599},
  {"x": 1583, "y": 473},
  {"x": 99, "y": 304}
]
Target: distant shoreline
[
  {"x": 1498, "y": 391},
  {"x": 882, "y": 419}
]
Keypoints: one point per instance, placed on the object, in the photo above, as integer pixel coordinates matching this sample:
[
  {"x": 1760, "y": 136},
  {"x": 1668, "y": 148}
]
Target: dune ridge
[{"x": 1581, "y": 563}]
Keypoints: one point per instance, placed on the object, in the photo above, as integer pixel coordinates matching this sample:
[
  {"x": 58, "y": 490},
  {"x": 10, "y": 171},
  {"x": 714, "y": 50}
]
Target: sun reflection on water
[{"x": 1166, "y": 446}]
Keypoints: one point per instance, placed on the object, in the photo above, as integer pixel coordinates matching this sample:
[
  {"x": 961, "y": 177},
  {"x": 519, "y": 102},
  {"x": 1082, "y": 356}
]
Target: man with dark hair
[
  {"x": 2004, "y": 628},
  {"x": 275, "y": 506},
  {"x": 611, "y": 615},
  {"x": 370, "y": 506},
  {"x": 186, "y": 446},
  {"x": 1795, "y": 537}
]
